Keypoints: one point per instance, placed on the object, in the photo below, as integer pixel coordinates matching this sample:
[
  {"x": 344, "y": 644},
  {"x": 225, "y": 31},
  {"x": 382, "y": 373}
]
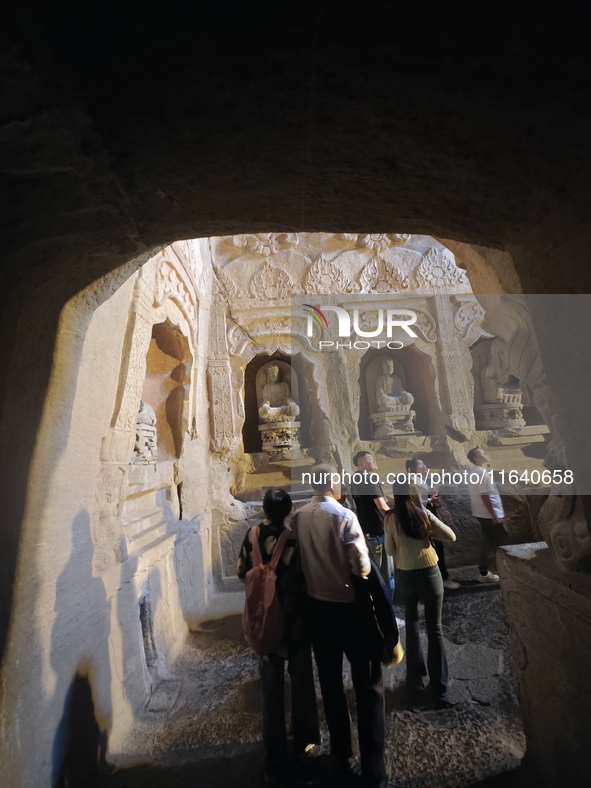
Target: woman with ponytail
[
  {"x": 431, "y": 500},
  {"x": 409, "y": 529}
]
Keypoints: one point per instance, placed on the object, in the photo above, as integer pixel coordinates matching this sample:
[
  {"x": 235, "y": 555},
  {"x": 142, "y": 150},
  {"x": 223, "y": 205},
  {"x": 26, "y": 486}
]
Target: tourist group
[{"x": 323, "y": 582}]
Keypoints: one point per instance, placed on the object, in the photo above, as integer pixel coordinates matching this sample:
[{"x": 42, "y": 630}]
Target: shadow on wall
[
  {"x": 80, "y": 637},
  {"x": 44, "y": 308},
  {"x": 80, "y": 745}
]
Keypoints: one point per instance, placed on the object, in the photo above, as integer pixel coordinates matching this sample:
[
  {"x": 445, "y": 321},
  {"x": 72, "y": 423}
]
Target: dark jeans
[
  {"x": 304, "y": 712},
  {"x": 491, "y": 538},
  {"x": 334, "y": 629},
  {"x": 425, "y": 585},
  {"x": 377, "y": 553},
  {"x": 440, "y": 550}
]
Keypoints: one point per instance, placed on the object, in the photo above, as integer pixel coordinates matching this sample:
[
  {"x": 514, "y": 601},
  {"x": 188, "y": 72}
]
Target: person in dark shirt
[
  {"x": 371, "y": 505},
  {"x": 295, "y": 648}
]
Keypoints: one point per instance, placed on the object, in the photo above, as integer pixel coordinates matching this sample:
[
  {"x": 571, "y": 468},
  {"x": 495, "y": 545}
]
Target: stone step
[
  {"x": 134, "y": 527},
  {"x": 149, "y": 535}
]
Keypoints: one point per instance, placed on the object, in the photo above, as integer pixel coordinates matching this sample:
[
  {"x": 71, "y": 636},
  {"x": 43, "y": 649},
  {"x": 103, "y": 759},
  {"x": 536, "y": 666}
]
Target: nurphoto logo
[{"x": 387, "y": 318}]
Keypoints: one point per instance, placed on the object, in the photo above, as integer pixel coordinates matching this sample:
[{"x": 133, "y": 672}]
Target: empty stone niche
[{"x": 166, "y": 387}]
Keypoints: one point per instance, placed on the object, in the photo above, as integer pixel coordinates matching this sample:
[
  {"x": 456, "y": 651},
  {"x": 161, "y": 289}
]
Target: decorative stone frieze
[
  {"x": 325, "y": 277},
  {"x": 267, "y": 244},
  {"x": 271, "y": 284},
  {"x": 380, "y": 276},
  {"x": 171, "y": 284},
  {"x": 377, "y": 241},
  {"x": 438, "y": 271}
]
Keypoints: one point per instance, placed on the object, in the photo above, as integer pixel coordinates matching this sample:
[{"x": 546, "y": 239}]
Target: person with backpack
[
  {"x": 341, "y": 622},
  {"x": 268, "y": 564},
  {"x": 409, "y": 531}
]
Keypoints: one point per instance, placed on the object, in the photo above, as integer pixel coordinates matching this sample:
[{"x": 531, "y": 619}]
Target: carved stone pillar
[
  {"x": 119, "y": 443},
  {"x": 455, "y": 399},
  {"x": 223, "y": 437}
]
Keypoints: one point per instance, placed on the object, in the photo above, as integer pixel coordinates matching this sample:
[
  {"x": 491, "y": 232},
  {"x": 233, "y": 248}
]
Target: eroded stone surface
[
  {"x": 549, "y": 614},
  {"x": 218, "y": 714}
]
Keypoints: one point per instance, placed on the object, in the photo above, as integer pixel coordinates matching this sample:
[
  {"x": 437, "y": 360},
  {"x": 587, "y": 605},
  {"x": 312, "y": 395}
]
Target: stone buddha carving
[
  {"x": 495, "y": 380},
  {"x": 146, "y": 446},
  {"x": 390, "y": 393},
  {"x": 276, "y": 398}
]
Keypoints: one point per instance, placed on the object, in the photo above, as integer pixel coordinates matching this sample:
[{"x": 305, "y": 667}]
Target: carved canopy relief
[{"x": 386, "y": 271}]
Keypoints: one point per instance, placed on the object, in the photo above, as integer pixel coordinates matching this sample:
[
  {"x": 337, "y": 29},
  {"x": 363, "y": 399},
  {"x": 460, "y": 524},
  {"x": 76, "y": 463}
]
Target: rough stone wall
[
  {"x": 520, "y": 524},
  {"x": 549, "y": 614},
  {"x": 84, "y": 578}
]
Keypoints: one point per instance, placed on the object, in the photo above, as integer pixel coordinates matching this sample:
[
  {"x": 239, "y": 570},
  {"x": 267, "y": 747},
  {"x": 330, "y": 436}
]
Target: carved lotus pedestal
[
  {"x": 498, "y": 416},
  {"x": 280, "y": 437},
  {"x": 395, "y": 421}
]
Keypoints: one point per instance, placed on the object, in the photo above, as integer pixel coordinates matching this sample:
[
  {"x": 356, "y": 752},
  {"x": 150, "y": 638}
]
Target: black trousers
[
  {"x": 335, "y": 631},
  {"x": 424, "y": 585},
  {"x": 304, "y": 712},
  {"x": 492, "y": 536}
]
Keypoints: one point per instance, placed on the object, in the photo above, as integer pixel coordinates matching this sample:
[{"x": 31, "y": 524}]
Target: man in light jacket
[{"x": 332, "y": 546}]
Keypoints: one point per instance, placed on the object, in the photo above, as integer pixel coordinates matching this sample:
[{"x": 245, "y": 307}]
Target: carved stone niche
[
  {"x": 277, "y": 400},
  {"x": 167, "y": 388},
  {"x": 497, "y": 393},
  {"x": 389, "y": 402}
]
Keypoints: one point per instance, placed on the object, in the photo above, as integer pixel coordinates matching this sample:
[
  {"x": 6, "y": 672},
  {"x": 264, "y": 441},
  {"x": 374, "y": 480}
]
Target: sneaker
[
  {"x": 400, "y": 623},
  {"x": 309, "y": 751},
  {"x": 489, "y": 577},
  {"x": 451, "y": 584}
]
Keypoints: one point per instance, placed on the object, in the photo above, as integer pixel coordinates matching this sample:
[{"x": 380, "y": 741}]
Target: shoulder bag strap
[
  {"x": 279, "y": 545},
  {"x": 256, "y": 548}
]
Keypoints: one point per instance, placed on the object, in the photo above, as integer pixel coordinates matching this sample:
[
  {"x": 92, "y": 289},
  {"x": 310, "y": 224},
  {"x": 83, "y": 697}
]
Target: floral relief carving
[
  {"x": 239, "y": 336},
  {"x": 377, "y": 241},
  {"x": 325, "y": 277},
  {"x": 438, "y": 270},
  {"x": 468, "y": 320},
  {"x": 426, "y": 326},
  {"x": 380, "y": 276},
  {"x": 169, "y": 284},
  {"x": 271, "y": 284},
  {"x": 267, "y": 244}
]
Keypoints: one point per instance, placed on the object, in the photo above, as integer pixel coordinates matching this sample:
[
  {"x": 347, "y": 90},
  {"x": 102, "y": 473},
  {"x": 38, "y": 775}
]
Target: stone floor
[{"x": 203, "y": 728}]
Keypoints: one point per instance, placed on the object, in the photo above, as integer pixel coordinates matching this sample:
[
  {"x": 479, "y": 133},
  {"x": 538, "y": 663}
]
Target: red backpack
[{"x": 262, "y": 621}]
